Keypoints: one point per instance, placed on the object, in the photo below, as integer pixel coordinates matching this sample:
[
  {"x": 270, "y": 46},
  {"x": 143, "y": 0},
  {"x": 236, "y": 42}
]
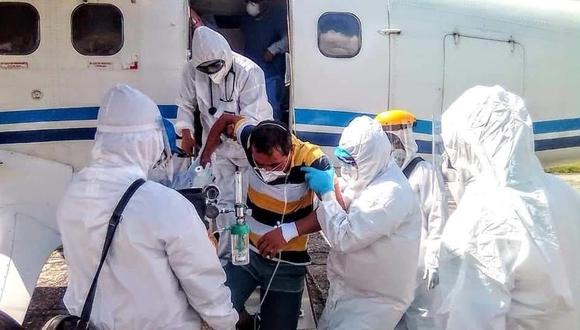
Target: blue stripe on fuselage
[
  {"x": 333, "y": 118},
  {"x": 65, "y": 114}
]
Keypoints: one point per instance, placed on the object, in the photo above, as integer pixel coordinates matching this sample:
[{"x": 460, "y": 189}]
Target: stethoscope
[{"x": 212, "y": 110}]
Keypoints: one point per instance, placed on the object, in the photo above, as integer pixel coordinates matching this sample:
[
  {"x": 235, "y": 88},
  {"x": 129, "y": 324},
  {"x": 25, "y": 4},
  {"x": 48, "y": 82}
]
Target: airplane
[{"x": 346, "y": 59}]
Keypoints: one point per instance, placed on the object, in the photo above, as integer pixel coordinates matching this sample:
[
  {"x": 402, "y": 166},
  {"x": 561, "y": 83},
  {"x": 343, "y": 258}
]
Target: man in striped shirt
[{"x": 282, "y": 216}]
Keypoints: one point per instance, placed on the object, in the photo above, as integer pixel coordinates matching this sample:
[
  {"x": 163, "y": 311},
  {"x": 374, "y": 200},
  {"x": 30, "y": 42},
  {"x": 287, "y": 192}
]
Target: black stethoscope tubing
[{"x": 212, "y": 110}]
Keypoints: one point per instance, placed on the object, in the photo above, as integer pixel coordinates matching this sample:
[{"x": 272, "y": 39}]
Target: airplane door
[
  {"x": 340, "y": 62},
  {"x": 471, "y": 61}
]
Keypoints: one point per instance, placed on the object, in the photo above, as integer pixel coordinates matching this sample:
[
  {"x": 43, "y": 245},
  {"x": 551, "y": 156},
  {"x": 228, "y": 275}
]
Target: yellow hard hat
[{"x": 396, "y": 117}]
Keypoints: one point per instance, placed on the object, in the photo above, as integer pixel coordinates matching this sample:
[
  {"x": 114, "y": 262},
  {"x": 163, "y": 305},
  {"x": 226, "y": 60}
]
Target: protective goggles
[
  {"x": 344, "y": 156},
  {"x": 211, "y": 67}
]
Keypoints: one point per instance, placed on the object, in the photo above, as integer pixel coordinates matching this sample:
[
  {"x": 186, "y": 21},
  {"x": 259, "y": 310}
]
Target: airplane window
[
  {"x": 97, "y": 29},
  {"x": 19, "y": 29},
  {"x": 339, "y": 35}
]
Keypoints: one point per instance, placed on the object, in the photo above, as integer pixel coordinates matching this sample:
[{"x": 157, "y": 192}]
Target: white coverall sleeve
[
  {"x": 434, "y": 206},
  {"x": 194, "y": 261},
  {"x": 361, "y": 226},
  {"x": 279, "y": 47},
  {"x": 253, "y": 100},
  {"x": 186, "y": 101}
]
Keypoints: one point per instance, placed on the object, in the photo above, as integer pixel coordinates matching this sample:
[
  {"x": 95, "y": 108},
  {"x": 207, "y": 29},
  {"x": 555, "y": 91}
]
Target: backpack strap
[
  {"x": 411, "y": 166},
  {"x": 113, "y": 223}
]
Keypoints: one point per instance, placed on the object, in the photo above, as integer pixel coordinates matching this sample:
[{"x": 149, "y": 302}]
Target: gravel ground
[{"x": 47, "y": 298}]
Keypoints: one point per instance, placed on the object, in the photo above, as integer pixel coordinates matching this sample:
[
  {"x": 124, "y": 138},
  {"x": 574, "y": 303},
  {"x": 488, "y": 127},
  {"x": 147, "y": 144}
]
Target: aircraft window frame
[
  {"x": 74, "y": 42},
  {"x": 37, "y": 37},
  {"x": 358, "y": 34}
]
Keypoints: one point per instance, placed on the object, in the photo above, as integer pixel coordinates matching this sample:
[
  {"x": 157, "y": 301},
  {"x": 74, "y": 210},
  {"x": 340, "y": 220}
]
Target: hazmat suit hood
[
  {"x": 370, "y": 147},
  {"x": 130, "y": 133},
  {"x": 489, "y": 140},
  {"x": 488, "y": 133},
  {"x": 208, "y": 45}
]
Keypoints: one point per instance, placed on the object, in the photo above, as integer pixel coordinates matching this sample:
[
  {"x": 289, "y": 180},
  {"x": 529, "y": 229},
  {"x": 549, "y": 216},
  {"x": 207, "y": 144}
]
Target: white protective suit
[
  {"x": 428, "y": 186},
  {"x": 375, "y": 243},
  {"x": 241, "y": 82},
  {"x": 509, "y": 255},
  {"x": 161, "y": 271}
]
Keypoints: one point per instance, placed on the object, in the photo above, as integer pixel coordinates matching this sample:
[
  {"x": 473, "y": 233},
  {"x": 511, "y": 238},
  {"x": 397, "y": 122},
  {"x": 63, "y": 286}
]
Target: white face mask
[
  {"x": 253, "y": 9},
  {"x": 270, "y": 176},
  {"x": 399, "y": 156},
  {"x": 273, "y": 174},
  {"x": 219, "y": 76}
]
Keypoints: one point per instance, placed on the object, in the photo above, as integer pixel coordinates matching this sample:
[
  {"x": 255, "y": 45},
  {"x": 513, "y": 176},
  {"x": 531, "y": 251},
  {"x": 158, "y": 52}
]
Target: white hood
[
  {"x": 370, "y": 147},
  {"x": 129, "y": 132},
  {"x": 208, "y": 45}
]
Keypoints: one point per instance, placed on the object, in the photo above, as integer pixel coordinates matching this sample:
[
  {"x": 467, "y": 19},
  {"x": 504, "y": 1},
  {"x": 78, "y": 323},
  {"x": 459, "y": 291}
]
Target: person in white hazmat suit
[
  {"x": 217, "y": 81},
  {"x": 161, "y": 271},
  {"x": 427, "y": 184},
  {"x": 374, "y": 242},
  {"x": 509, "y": 254}
]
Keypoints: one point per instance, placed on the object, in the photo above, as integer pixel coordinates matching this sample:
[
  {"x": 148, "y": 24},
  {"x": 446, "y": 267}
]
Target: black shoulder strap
[
  {"x": 411, "y": 166},
  {"x": 113, "y": 222}
]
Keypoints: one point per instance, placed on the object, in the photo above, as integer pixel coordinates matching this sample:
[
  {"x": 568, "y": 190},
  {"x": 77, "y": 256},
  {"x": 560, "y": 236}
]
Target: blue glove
[{"x": 319, "y": 181}]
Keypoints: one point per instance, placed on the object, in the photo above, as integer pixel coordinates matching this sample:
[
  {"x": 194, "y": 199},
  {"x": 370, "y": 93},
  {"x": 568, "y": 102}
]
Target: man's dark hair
[
  {"x": 191, "y": 3},
  {"x": 270, "y": 135}
]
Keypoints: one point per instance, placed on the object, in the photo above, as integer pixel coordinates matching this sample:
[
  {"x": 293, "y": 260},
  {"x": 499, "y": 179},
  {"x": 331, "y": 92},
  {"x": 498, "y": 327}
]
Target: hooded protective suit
[
  {"x": 427, "y": 184},
  {"x": 161, "y": 271},
  {"x": 238, "y": 88},
  {"x": 509, "y": 255},
  {"x": 375, "y": 242}
]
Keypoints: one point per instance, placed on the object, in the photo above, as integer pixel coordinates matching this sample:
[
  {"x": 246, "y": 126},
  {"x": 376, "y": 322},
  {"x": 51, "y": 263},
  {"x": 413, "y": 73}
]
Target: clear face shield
[
  {"x": 348, "y": 166},
  {"x": 162, "y": 171},
  {"x": 401, "y": 137}
]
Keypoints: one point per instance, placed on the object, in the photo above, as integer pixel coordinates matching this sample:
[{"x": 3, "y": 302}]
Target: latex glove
[
  {"x": 201, "y": 176},
  {"x": 432, "y": 277},
  {"x": 321, "y": 182}
]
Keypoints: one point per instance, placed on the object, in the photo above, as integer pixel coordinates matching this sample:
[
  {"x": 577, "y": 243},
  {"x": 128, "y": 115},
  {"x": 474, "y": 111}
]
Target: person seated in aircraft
[{"x": 266, "y": 41}]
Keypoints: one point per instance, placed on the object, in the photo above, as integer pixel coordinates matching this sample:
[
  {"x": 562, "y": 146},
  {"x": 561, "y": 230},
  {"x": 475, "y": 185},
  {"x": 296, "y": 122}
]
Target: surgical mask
[
  {"x": 399, "y": 156},
  {"x": 270, "y": 176},
  {"x": 253, "y": 8},
  {"x": 273, "y": 174},
  {"x": 219, "y": 76}
]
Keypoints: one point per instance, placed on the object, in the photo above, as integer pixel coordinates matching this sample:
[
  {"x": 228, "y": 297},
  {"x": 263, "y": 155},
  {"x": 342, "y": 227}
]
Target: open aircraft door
[{"x": 333, "y": 44}]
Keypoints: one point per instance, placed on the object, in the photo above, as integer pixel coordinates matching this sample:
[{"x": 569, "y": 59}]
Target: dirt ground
[{"x": 47, "y": 298}]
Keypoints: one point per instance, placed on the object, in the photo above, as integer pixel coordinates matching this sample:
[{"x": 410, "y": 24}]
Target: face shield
[
  {"x": 398, "y": 125},
  {"x": 162, "y": 171},
  {"x": 348, "y": 167},
  {"x": 400, "y": 136}
]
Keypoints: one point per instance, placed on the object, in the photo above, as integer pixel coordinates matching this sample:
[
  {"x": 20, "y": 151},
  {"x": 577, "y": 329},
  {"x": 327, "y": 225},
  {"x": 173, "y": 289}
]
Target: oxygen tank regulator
[{"x": 240, "y": 231}]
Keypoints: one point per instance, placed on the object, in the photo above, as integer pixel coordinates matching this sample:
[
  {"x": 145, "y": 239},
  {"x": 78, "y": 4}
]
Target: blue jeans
[
  {"x": 274, "y": 88},
  {"x": 281, "y": 309}
]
